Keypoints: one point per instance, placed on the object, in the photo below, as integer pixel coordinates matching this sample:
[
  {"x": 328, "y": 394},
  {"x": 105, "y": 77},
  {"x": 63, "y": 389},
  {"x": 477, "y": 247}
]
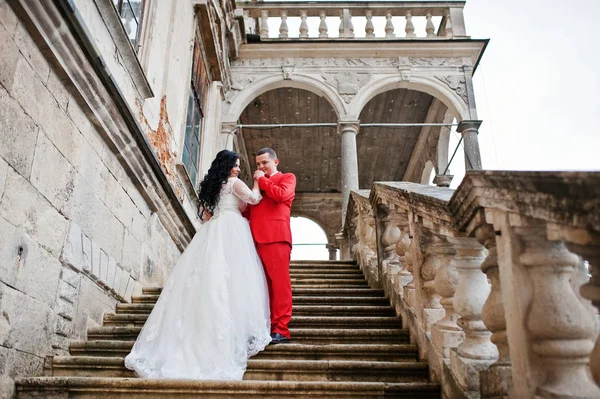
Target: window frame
[
  {"x": 198, "y": 91},
  {"x": 119, "y": 7}
]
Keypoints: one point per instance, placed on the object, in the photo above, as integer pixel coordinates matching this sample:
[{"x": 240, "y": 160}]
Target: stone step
[
  {"x": 327, "y": 276},
  {"x": 261, "y": 369},
  {"x": 300, "y": 310},
  {"x": 300, "y": 300},
  {"x": 328, "y": 282},
  {"x": 366, "y": 352},
  {"x": 326, "y": 271},
  {"x": 330, "y": 263},
  {"x": 111, "y": 319},
  {"x": 86, "y": 387},
  {"x": 357, "y": 291},
  {"x": 315, "y": 336}
]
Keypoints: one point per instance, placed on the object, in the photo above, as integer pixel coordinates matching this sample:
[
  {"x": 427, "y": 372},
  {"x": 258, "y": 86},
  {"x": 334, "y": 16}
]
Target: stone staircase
[{"x": 347, "y": 343}]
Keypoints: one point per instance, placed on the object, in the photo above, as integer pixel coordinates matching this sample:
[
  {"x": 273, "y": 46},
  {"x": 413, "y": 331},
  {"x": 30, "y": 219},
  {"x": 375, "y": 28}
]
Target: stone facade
[{"x": 87, "y": 214}]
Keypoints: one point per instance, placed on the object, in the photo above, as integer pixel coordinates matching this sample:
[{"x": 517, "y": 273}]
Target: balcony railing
[
  {"x": 492, "y": 279},
  {"x": 388, "y": 20}
]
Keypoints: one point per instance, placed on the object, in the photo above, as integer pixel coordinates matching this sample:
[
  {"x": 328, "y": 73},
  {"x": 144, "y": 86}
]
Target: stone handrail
[
  {"x": 488, "y": 277},
  {"x": 441, "y": 19}
]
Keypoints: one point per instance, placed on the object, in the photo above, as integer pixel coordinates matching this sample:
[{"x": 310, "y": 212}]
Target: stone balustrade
[
  {"x": 381, "y": 20},
  {"x": 492, "y": 279}
]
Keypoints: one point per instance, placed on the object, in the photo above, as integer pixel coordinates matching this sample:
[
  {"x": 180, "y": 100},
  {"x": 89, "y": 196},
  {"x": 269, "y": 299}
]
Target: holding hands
[{"x": 258, "y": 174}]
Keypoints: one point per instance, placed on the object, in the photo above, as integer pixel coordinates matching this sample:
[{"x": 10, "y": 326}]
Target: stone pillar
[
  {"x": 228, "y": 132},
  {"x": 344, "y": 245},
  {"x": 332, "y": 251},
  {"x": 348, "y": 130},
  {"x": 469, "y": 131}
]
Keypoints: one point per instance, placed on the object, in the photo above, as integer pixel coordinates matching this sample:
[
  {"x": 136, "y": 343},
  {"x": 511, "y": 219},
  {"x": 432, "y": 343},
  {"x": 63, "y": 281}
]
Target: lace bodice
[{"x": 235, "y": 195}]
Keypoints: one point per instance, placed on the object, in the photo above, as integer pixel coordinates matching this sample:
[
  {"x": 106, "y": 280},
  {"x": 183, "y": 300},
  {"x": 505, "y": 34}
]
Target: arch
[
  {"x": 426, "y": 175},
  {"x": 330, "y": 235},
  {"x": 429, "y": 85},
  {"x": 241, "y": 100},
  {"x": 300, "y": 251}
]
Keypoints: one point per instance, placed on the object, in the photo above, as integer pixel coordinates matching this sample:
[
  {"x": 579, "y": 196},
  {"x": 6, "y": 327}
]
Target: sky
[{"x": 537, "y": 86}]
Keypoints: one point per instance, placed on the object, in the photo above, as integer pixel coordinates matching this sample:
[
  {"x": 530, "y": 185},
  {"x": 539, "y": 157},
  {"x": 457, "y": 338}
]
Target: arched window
[{"x": 309, "y": 240}]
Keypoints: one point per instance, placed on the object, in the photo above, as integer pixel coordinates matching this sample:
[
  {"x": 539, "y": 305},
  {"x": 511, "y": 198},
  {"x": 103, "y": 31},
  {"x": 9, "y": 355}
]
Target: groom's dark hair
[{"x": 270, "y": 151}]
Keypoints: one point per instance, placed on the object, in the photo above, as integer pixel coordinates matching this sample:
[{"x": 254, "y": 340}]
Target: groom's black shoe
[{"x": 277, "y": 338}]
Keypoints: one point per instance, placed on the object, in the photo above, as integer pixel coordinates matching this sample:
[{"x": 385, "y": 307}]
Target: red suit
[{"x": 270, "y": 225}]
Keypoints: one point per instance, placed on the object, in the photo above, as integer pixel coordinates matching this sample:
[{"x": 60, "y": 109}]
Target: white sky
[{"x": 537, "y": 86}]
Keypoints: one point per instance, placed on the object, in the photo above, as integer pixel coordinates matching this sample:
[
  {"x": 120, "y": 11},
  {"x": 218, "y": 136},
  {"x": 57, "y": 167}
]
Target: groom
[{"x": 270, "y": 225}]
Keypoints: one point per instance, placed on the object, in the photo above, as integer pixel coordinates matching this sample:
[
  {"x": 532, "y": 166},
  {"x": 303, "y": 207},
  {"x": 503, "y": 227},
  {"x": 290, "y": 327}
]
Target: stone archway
[{"x": 450, "y": 90}]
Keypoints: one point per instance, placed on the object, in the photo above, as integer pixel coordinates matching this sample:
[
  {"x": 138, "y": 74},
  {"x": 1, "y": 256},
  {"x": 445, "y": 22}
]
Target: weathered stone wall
[{"x": 76, "y": 235}]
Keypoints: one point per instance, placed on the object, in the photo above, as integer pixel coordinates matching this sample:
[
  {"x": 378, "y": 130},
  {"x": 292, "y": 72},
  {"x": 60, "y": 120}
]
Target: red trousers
[{"x": 276, "y": 261}]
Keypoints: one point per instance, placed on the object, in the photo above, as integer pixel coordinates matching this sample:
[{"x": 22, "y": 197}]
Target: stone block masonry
[{"x": 76, "y": 235}]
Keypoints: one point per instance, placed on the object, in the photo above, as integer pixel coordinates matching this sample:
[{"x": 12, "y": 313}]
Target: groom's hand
[{"x": 258, "y": 174}]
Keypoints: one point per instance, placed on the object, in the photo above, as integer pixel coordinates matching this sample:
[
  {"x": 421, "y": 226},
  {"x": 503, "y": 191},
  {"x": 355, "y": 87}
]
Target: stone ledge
[{"x": 124, "y": 47}]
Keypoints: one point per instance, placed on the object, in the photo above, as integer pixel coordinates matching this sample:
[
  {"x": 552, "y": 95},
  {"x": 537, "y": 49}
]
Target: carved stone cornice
[
  {"x": 566, "y": 198},
  {"x": 348, "y": 62},
  {"x": 64, "y": 38}
]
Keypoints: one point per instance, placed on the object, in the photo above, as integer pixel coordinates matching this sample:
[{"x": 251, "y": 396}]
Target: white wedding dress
[{"x": 213, "y": 313}]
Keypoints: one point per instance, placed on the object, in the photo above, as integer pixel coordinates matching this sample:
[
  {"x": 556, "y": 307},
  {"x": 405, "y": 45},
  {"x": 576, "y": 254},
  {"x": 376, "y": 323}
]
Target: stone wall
[{"x": 76, "y": 233}]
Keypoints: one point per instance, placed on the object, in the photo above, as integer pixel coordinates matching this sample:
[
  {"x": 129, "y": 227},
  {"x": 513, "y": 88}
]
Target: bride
[{"x": 213, "y": 313}]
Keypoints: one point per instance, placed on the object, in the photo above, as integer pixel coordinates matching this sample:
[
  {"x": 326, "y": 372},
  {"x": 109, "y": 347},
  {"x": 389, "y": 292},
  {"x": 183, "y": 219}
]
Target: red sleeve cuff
[{"x": 262, "y": 183}]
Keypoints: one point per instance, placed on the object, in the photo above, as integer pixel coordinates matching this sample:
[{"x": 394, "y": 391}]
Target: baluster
[
  {"x": 402, "y": 249},
  {"x": 389, "y": 26},
  {"x": 350, "y": 24},
  {"x": 446, "y": 334},
  {"x": 429, "y": 27},
  {"x": 591, "y": 291},
  {"x": 409, "y": 290},
  {"x": 448, "y": 27},
  {"x": 390, "y": 265},
  {"x": 303, "y": 25},
  {"x": 264, "y": 24},
  {"x": 410, "y": 27},
  {"x": 430, "y": 299},
  {"x": 496, "y": 381},
  {"x": 369, "y": 28},
  {"x": 471, "y": 293},
  {"x": 323, "y": 25},
  {"x": 561, "y": 328},
  {"x": 341, "y": 29},
  {"x": 283, "y": 28}
]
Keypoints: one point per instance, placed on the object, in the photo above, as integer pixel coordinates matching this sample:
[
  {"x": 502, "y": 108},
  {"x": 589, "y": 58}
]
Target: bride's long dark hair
[{"x": 217, "y": 175}]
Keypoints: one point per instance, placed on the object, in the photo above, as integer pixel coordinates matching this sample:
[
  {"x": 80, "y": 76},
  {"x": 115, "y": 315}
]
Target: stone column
[
  {"x": 228, "y": 132},
  {"x": 348, "y": 130},
  {"x": 332, "y": 251},
  {"x": 469, "y": 131}
]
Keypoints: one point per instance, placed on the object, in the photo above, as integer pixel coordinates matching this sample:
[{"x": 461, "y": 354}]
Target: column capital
[
  {"x": 443, "y": 180},
  {"x": 348, "y": 127},
  {"x": 464, "y": 126},
  {"x": 229, "y": 127}
]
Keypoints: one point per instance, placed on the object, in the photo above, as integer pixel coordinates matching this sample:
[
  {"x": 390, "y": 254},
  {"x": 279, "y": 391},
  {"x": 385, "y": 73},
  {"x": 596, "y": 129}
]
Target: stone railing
[
  {"x": 492, "y": 279},
  {"x": 413, "y": 20}
]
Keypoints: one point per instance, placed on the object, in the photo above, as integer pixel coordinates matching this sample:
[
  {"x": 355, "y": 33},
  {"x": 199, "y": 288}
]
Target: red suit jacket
[{"x": 270, "y": 219}]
